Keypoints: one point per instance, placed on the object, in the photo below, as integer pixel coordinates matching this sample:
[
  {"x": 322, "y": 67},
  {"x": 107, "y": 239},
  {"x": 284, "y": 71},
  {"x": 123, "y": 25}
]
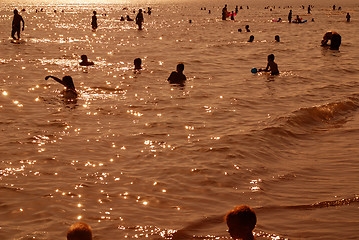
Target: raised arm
[
  {"x": 55, "y": 78},
  {"x": 23, "y": 23}
]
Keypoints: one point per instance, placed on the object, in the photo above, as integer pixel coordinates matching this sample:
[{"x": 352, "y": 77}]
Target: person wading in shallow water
[
  {"x": 16, "y": 25},
  {"x": 94, "y": 21},
  {"x": 139, "y": 19}
]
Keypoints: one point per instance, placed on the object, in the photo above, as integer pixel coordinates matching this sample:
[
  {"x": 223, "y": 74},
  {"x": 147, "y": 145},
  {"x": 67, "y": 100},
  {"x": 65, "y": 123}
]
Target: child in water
[
  {"x": 79, "y": 231},
  {"x": 69, "y": 91},
  {"x": 272, "y": 67},
  {"x": 177, "y": 77},
  {"x": 241, "y": 222},
  {"x": 85, "y": 61}
]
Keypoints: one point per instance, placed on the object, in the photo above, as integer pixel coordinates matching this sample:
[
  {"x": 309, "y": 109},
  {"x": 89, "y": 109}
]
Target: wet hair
[
  {"x": 137, "y": 62},
  {"x": 79, "y": 231},
  {"x": 180, "y": 67},
  {"x": 243, "y": 215},
  {"x": 83, "y": 57},
  {"x": 271, "y": 57},
  {"x": 68, "y": 83}
]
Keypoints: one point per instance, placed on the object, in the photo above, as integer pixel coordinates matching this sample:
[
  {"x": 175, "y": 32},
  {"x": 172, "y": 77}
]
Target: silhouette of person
[
  {"x": 16, "y": 25},
  {"x": 232, "y": 15},
  {"x": 224, "y": 12},
  {"x": 272, "y": 67},
  {"x": 149, "y": 11},
  {"x": 335, "y": 40},
  {"x": 309, "y": 9},
  {"x": 128, "y": 18},
  {"x": 69, "y": 91},
  {"x": 122, "y": 19},
  {"x": 139, "y": 19},
  {"x": 94, "y": 21},
  {"x": 290, "y": 16},
  {"x": 241, "y": 222},
  {"x": 276, "y": 38},
  {"x": 79, "y": 231},
  {"x": 348, "y": 17},
  {"x": 251, "y": 38},
  {"x": 177, "y": 77},
  {"x": 85, "y": 61},
  {"x": 137, "y": 62},
  {"x": 247, "y": 28}
]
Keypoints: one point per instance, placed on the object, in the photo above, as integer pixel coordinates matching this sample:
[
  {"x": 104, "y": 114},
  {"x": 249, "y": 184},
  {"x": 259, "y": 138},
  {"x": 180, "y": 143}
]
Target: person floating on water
[
  {"x": 137, "y": 62},
  {"x": 85, "y": 61},
  {"x": 241, "y": 222},
  {"x": 139, "y": 19},
  {"x": 251, "y": 38},
  {"x": 16, "y": 25},
  {"x": 290, "y": 16},
  {"x": 69, "y": 91},
  {"x": 94, "y": 21},
  {"x": 79, "y": 231},
  {"x": 348, "y": 17},
  {"x": 177, "y": 77},
  {"x": 272, "y": 67},
  {"x": 335, "y": 40}
]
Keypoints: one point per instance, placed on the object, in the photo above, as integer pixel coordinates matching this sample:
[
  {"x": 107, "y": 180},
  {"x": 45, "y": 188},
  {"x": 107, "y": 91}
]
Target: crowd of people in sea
[{"x": 242, "y": 219}]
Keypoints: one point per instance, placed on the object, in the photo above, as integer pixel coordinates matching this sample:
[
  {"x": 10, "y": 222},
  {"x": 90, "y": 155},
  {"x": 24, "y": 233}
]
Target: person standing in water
[
  {"x": 94, "y": 21},
  {"x": 139, "y": 19},
  {"x": 290, "y": 16},
  {"x": 348, "y": 17},
  {"x": 16, "y": 25}
]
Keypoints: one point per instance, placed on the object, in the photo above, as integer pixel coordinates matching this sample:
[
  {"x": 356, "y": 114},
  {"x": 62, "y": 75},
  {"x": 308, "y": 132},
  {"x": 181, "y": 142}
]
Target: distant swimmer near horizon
[
  {"x": 85, "y": 61},
  {"x": 16, "y": 25},
  {"x": 69, "y": 91},
  {"x": 139, "y": 19},
  {"x": 335, "y": 40},
  {"x": 94, "y": 21},
  {"x": 177, "y": 77},
  {"x": 241, "y": 222},
  {"x": 79, "y": 231}
]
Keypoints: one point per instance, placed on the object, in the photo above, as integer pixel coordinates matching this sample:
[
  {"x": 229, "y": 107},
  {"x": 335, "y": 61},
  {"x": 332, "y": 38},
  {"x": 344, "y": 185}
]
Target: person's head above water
[
  {"x": 137, "y": 62},
  {"x": 79, "y": 231},
  {"x": 276, "y": 38},
  {"x": 84, "y": 58},
  {"x": 271, "y": 57},
  {"x": 251, "y": 38},
  {"x": 180, "y": 67},
  {"x": 241, "y": 222},
  {"x": 68, "y": 83}
]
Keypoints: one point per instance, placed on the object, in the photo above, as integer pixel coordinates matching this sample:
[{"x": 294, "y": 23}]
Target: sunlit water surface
[{"x": 138, "y": 158}]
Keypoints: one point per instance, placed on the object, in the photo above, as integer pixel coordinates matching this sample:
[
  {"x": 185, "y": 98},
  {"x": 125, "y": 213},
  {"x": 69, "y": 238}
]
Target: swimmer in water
[
  {"x": 16, "y": 25},
  {"x": 79, "y": 231},
  {"x": 241, "y": 222},
  {"x": 85, "y": 61},
  {"x": 251, "y": 38},
  {"x": 272, "y": 67},
  {"x": 276, "y": 38},
  {"x": 177, "y": 77},
  {"x": 247, "y": 28},
  {"x": 335, "y": 40},
  {"x": 69, "y": 91},
  {"x": 137, "y": 62},
  {"x": 94, "y": 21},
  {"x": 348, "y": 17}
]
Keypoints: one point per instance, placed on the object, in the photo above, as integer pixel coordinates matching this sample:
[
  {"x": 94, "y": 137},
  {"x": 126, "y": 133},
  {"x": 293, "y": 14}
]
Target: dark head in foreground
[
  {"x": 177, "y": 77},
  {"x": 241, "y": 222},
  {"x": 79, "y": 231}
]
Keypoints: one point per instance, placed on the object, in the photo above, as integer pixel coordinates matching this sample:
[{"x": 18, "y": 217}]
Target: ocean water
[{"x": 138, "y": 158}]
